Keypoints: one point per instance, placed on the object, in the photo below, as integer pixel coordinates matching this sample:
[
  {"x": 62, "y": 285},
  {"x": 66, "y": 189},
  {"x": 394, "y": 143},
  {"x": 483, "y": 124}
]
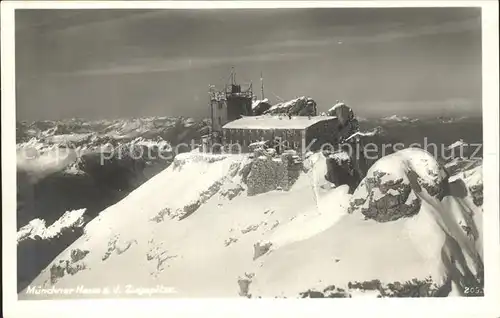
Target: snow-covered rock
[
  {"x": 340, "y": 170},
  {"x": 472, "y": 176},
  {"x": 302, "y": 106},
  {"x": 434, "y": 251},
  {"x": 392, "y": 186},
  {"x": 342, "y": 111},
  {"x": 36, "y": 228},
  {"x": 260, "y": 106}
]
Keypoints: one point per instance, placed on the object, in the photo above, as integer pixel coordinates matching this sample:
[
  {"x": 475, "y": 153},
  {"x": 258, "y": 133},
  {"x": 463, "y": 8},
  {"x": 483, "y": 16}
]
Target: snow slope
[
  {"x": 441, "y": 242},
  {"x": 194, "y": 229}
]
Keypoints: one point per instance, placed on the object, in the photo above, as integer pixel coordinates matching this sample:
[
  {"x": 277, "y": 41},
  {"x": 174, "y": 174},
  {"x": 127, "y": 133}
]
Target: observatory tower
[{"x": 229, "y": 104}]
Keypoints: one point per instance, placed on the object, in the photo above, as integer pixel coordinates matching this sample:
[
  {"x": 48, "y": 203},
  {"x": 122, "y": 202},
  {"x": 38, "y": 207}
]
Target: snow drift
[{"x": 195, "y": 229}]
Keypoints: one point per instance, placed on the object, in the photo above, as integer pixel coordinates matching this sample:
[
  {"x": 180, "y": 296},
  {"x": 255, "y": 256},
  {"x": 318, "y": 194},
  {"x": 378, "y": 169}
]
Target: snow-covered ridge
[
  {"x": 77, "y": 130},
  {"x": 37, "y": 228},
  {"x": 49, "y": 146},
  {"x": 397, "y": 118},
  {"x": 301, "y": 106}
]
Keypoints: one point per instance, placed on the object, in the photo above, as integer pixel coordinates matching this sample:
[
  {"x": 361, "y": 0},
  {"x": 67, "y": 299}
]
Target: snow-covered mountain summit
[{"x": 232, "y": 225}]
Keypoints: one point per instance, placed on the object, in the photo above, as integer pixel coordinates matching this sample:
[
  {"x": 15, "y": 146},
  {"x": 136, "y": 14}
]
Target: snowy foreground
[{"x": 193, "y": 231}]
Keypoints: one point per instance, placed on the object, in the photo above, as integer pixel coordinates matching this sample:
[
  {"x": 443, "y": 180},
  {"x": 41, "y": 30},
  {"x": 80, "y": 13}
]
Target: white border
[{"x": 458, "y": 307}]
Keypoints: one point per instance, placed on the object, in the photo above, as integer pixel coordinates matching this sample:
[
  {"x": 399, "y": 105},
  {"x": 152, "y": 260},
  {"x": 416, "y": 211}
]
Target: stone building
[{"x": 281, "y": 132}]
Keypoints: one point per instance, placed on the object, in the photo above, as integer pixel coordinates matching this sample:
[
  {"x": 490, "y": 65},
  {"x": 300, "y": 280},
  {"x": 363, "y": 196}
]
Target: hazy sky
[{"x": 122, "y": 63}]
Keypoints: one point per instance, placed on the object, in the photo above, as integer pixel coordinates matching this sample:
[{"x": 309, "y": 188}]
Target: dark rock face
[
  {"x": 34, "y": 255},
  {"x": 244, "y": 285},
  {"x": 267, "y": 172},
  {"x": 261, "y": 108},
  {"x": 49, "y": 199},
  {"x": 232, "y": 192},
  {"x": 340, "y": 172},
  {"x": 464, "y": 168},
  {"x": 386, "y": 201},
  {"x": 436, "y": 189},
  {"x": 70, "y": 267},
  {"x": 477, "y": 194},
  {"x": 266, "y": 175},
  {"x": 261, "y": 248}
]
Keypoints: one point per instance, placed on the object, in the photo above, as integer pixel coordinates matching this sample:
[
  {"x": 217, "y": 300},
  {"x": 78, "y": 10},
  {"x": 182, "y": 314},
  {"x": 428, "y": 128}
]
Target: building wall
[
  {"x": 325, "y": 132},
  {"x": 317, "y": 134},
  {"x": 219, "y": 114},
  {"x": 237, "y": 106},
  {"x": 291, "y": 138},
  {"x": 224, "y": 111}
]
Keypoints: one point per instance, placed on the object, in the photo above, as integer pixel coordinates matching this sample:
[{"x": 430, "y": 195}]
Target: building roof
[{"x": 275, "y": 122}]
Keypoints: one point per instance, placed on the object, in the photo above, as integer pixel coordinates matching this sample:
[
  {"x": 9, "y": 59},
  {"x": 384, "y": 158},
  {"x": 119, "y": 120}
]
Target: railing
[{"x": 228, "y": 91}]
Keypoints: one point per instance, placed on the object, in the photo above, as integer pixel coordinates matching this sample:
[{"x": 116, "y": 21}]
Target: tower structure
[{"x": 231, "y": 103}]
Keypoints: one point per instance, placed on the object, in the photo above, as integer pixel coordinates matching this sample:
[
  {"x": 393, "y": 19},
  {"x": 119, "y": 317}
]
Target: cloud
[
  {"x": 140, "y": 66},
  {"x": 452, "y": 105},
  {"x": 73, "y": 21},
  {"x": 390, "y": 34}
]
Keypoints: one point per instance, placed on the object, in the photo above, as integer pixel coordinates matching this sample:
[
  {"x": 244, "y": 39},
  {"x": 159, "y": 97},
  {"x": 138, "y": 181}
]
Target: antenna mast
[
  {"x": 233, "y": 76},
  {"x": 261, "y": 86}
]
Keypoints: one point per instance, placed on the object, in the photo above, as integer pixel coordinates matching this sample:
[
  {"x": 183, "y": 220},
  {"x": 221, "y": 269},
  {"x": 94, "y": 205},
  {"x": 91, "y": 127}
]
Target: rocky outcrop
[
  {"x": 71, "y": 266},
  {"x": 117, "y": 246},
  {"x": 340, "y": 170},
  {"x": 302, "y": 106},
  {"x": 411, "y": 288},
  {"x": 268, "y": 172},
  {"x": 260, "y": 106},
  {"x": 157, "y": 256},
  {"x": 477, "y": 194},
  {"x": 387, "y": 200},
  {"x": 190, "y": 208},
  {"x": 261, "y": 248},
  {"x": 231, "y": 190},
  {"x": 469, "y": 173},
  {"x": 244, "y": 285},
  {"x": 389, "y": 191}
]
